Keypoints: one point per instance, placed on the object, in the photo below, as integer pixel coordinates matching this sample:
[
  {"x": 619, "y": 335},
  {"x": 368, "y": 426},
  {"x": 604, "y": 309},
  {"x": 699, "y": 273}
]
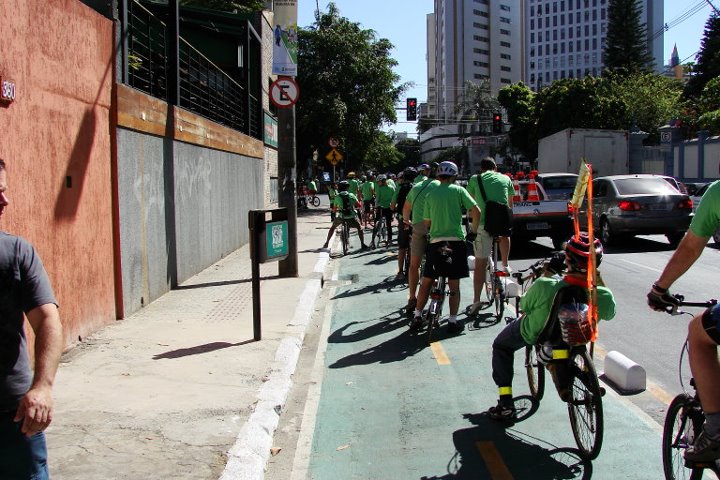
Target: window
[
  {"x": 505, "y": 7},
  {"x": 504, "y": 32},
  {"x": 481, "y": 64},
  {"x": 481, "y": 13},
  {"x": 505, "y": 69},
  {"x": 505, "y": 44},
  {"x": 481, "y": 51},
  {"x": 504, "y": 20},
  {"x": 505, "y": 56},
  {"x": 505, "y": 80},
  {"x": 480, "y": 39}
]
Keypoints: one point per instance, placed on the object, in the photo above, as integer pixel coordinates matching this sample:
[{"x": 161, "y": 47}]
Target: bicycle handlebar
[{"x": 682, "y": 303}]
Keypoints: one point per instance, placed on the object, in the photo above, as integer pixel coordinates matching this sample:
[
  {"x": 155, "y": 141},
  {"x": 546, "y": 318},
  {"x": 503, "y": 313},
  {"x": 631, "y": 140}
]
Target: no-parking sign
[{"x": 284, "y": 92}]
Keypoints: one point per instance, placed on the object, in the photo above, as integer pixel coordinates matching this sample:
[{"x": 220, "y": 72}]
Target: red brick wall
[{"x": 55, "y": 139}]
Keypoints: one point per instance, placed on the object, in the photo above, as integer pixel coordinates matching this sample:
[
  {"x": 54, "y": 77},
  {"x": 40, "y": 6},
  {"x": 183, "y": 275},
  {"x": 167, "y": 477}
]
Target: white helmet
[{"x": 447, "y": 169}]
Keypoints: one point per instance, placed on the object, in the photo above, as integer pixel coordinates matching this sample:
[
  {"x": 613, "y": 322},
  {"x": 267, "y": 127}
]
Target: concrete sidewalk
[{"x": 180, "y": 390}]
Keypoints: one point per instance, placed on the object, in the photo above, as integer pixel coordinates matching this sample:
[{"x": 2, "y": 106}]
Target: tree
[
  {"x": 477, "y": 105},
  {"x": 382, "y": 154},
  {"x": 410, "y": 148},
  {"x": 519, "y": 104},
  {"x": 627, "y": 47},
  {"x": 708, "y": 59},
  {"x": 348, "y": 87},
  {"x": 226, "y": 5}
]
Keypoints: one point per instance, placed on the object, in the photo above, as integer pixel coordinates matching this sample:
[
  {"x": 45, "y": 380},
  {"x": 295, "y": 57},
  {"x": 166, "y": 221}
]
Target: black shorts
[
  {"x": 711, "y": 322},
  {"x": 452, "y": 266},
  {"x": 404, "y": 236},
  {"x": 368, "y": 205}
]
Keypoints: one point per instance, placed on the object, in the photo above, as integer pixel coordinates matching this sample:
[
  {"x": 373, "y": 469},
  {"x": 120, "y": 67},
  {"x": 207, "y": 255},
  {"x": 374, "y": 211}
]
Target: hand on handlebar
[{"x": 662, "y": 301}]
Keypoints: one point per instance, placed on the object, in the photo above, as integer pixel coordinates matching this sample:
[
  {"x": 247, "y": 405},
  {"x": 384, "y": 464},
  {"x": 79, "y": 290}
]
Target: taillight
[
  {"x": 685, "y": 204},
  {"x": 629, "y": 206}
]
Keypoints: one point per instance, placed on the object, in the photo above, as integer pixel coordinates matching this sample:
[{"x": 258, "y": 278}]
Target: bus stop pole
[{"x": 255, "y": 269}]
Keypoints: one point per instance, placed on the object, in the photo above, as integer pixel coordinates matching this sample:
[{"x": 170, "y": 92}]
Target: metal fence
[{"x": 204, "y": 88}]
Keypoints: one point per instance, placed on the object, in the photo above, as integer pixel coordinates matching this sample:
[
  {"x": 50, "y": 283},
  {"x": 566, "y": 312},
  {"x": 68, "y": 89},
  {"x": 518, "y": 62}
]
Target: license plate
[
  {"x": 658, "y": 207},
  {"x": 537, "y": 226}
]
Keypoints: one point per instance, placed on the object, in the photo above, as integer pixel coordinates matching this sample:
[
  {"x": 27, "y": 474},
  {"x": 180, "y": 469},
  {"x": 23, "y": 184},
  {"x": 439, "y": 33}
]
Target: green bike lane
[{"x": 391, "y": 407}]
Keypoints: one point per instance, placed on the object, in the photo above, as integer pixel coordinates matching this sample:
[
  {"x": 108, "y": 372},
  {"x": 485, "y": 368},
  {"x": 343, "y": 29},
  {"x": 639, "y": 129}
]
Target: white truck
[
  {"x": 541, "y": 218},
  {"x": 606, "y": 150}
]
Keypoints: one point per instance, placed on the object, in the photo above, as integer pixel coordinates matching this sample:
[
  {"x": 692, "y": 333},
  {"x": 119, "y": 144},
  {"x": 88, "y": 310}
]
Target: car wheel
[
  {"x": 674, "y": 238},
  {"x": 606, "y": 234}
]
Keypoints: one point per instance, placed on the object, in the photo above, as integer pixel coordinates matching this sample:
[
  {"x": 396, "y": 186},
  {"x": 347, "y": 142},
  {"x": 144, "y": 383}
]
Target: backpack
[
  {"x": 347, "y": 208},
  {"x": 498, "y": 216},
  {"x": 402, "y": 195}
]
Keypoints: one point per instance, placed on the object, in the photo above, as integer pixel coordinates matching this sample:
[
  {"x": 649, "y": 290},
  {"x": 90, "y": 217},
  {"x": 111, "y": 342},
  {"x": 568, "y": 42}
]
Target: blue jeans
[{"x": 21, "y": 457}]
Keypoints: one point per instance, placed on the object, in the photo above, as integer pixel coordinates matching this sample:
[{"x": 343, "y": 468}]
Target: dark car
[
  {"x": 642, "y": 204},
  {"x": 557, "y": 186}
]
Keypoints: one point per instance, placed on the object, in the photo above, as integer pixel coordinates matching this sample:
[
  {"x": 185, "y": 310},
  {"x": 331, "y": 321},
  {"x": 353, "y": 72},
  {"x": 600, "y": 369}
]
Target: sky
[{"x": 403, "y": 22}]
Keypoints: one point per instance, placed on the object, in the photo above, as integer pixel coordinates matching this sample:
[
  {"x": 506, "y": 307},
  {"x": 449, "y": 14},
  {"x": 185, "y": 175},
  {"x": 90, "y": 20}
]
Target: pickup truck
[{"x": 543, "y": 218}]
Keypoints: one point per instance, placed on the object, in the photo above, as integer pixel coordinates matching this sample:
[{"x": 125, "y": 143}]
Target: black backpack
[
  {"x": 402, "y": 195},
  {"x": 347, "y": 209}
]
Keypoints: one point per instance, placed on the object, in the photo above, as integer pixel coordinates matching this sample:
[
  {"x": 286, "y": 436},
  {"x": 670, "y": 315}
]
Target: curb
[{"x": 248, "y": 457}]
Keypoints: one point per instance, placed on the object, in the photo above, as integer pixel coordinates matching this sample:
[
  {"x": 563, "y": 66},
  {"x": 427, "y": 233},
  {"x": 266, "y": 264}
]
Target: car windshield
[
  {"x": 644, "y": 186},
  {"x": 559, "y": 182}
]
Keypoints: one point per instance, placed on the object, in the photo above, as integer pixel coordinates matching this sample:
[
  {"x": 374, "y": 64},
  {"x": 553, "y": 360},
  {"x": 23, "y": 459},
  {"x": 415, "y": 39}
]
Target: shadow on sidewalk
[
  {"x": 379, "y": 326},
  {"x": 223, "y": 283},
  {"x": 395, "y": 349},
  {"x": 206, "y": 348}
]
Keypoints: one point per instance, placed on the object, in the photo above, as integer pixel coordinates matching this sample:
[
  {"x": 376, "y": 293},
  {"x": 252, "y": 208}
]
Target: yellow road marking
[
  {"x": 439, "y": 353},
  {"x": 493, "y": 461}
]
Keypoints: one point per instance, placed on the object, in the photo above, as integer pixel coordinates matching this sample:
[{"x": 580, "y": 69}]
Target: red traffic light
[{"x": 496, "y": 117}]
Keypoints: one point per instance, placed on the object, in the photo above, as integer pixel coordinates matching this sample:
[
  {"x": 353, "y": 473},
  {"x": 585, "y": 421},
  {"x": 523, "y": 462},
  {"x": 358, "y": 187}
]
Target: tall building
[
  {"x": 474, "y": 40},
  {"x": 566, "y": 38}
]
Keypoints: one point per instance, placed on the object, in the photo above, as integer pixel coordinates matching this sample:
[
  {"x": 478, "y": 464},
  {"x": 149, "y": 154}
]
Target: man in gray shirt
[{"x": 26, "y": 403}]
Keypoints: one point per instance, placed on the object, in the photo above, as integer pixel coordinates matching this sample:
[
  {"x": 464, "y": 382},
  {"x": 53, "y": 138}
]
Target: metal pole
[
  {"x": 255, "y": 269},
  {"x": 286, "y": 184}
]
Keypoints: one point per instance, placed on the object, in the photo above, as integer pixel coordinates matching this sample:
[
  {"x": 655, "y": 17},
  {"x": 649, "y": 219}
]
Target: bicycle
[
  {"x": 494, "y": 281},
  {"x": 380, "y": 227},
  {"x": 345, "y": 237},
  {"x": 437, "y": 299},
  {"x": 684, "y": 420},
  {"x": 563, "y": 350}
]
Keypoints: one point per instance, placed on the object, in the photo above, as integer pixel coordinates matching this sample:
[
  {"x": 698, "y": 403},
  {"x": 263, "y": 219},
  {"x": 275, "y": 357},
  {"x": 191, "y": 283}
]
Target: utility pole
[{"x": 286, "y": 184}]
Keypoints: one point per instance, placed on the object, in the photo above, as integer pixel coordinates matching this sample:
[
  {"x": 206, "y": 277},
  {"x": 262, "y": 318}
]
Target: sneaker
[
  {"x": 325, "y": 245},
  {"x": 502, "y": 413},
  {"x": 705, "y": 449},
  {"x": 474, "y": 308},
  {"x": 416, "y": 323},
  {"x": 410, "y": 307},
  {"x": 372, "y": 246},
  {"x": 363, "y": 247},
  {"x": 455, "y": 328},
  {"x": 399, "y": 276},
  {"x": 507, "y": 269}
]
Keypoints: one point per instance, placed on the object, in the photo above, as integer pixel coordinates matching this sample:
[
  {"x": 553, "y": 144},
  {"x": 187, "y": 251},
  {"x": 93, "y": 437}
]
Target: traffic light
[
  {"x": 497, "y": 123},
  {"x": 411, "y": 105}
]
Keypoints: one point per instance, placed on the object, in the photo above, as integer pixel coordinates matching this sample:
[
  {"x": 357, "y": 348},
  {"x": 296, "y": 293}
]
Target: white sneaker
[{"x": 507, "y": 269}]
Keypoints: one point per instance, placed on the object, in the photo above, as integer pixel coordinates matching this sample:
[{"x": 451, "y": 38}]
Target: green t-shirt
[
  {"x": 368, "y": 190},
  {"x": 384, "y": 194},
  {"x": 354, "y": 186},
  {"x": 419, "y": 178},
  {"x": 416, "y": 197},
  {"x": 538, "y": 301},
  {"x": 312, "y": 185},
  {"x": 498, "y": 188},
  {"x": 707, "y": 215},
  {"x": 443, "y": 207},
  {"x": 340, "y": 205},
  {"x": 332, "y": 193},
  {"x": 392, "y": 183}
]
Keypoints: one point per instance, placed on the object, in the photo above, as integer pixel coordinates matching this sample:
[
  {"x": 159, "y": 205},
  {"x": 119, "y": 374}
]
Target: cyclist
[
  {"x": 536, "y": 305},
  {"x": 398, "y": 202},
  {"x": 367, "y": 190},
  {"x": 345, "y": 203},
  {"x": 423, "y": 172},
  {"x": 703, "y": 335},
  {"x": 383, "y": 194},
  {"x": 443, "y": 216},
  {"x": 498, "y": 188},
  {"x": 353, "y": 184},
  {"x": 332, "y": 193}
]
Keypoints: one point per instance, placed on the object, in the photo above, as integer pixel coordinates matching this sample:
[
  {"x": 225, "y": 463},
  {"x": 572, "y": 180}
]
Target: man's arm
[
  {"x": 407, "y": 208},
  {"x": 686, "y": 254},
  {"x": 36, "y": 407},
  {"x": 475, "y": 217}
]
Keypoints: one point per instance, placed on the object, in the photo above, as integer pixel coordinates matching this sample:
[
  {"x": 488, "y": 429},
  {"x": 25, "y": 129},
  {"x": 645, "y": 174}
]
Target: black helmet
[
  {"x": 343, "y": 186},
  {"x": 578, "y": 250},
  {"x": 409, "y": 173}
]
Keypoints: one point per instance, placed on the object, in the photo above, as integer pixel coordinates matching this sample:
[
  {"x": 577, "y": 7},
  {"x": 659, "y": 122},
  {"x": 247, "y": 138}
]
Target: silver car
[{"x": 641, "y": 204}]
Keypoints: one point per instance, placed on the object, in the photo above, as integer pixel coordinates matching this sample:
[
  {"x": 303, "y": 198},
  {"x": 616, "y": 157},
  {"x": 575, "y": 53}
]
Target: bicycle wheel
[
  {"x": 315, "y": 201},
  {"x": 435, "y": 308},
  {"x": 535, "y": 373},
  {"x": 585, "y": 405},
  {"x": 383, "y": 232},
  {"x": 499, "y": 297},
  {"x": 345, "y": 237},
  {"x": 683, "y": 423},
  {"x": 489, "y": 279}
]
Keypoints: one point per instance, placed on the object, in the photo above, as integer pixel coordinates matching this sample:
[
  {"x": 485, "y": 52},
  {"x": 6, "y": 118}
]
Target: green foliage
[
  {"x": 626, "y": 50},
  {"x": 382, "y": 154},
  {"x": 410, "y": 148},
  {"x": 348, "y": 88},
  {"x": 519, "y": 104},
  {"x": 708, "y": 60},
  {"x": 226, "y": 5},
  {"x": 477, "y": 104},
  {"x": 452, "y": 154},
  {"x": 709, "y": 107}
]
